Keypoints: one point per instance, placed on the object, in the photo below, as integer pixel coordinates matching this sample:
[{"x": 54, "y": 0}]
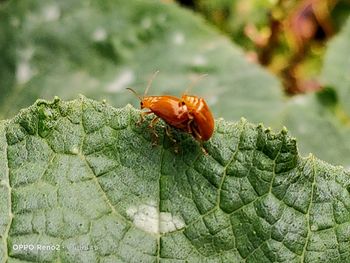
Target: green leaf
[
  {"x": 66, "y": 48},
  {"x": 313, "y": 120},
  {"x": 337, "y": 66},
  {"x": 321, "y": 121},
  {"x": 84, "y": 178}
]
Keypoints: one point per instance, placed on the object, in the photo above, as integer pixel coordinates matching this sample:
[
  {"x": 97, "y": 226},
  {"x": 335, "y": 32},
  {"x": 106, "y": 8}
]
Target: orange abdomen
[{"x": 203, "y": 120}]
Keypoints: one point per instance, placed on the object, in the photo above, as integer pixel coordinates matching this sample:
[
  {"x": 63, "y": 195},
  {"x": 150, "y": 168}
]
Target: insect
[
  {"x": 189, "y": 113},
  {"x": 201, "y": 118},
  {"x": 168, "y": 108}
]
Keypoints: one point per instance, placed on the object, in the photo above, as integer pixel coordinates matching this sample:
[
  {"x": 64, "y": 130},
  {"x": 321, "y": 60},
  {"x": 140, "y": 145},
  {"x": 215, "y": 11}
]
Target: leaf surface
[{"x": 84, "y": 179}]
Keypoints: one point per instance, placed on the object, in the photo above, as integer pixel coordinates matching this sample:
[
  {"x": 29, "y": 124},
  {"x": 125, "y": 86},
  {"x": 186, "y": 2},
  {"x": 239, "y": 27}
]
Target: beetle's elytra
[{"x": 202, "y": 125}]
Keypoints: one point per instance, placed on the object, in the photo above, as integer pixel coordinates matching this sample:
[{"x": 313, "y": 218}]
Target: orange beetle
[
  {"x": 188, "y": 113},
  {"x": 168, "y": 108},
  {"x": 202, "y": 121}
]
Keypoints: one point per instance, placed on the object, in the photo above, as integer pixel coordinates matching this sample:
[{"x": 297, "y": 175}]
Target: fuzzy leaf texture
[
  {"x": 83, "y": 178},
  {"x": 98, "y": 48}
]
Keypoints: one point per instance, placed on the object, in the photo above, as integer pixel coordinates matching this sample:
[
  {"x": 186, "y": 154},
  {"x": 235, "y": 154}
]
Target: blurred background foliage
[
  {"x": 280, "y": 62},
  {"x": 286, "y": 36}
]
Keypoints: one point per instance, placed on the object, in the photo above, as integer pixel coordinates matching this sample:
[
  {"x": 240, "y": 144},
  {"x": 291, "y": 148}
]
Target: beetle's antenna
[
  {"x": 150, "y": 82},
  {"x": 194, "y": 82},
  {"x": 135, "y": 93}
]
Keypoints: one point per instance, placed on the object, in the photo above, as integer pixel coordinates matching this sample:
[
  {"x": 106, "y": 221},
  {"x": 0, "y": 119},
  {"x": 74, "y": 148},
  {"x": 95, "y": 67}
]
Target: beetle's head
[{"x": 142, "y": 104}]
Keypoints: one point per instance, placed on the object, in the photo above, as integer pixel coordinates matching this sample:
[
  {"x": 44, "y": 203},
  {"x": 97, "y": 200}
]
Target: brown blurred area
[{"x": 287, "y": 37}]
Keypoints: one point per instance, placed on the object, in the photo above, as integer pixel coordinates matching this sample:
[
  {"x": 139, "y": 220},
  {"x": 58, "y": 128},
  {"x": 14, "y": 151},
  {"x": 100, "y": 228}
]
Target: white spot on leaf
[
  {"x": 145, "y": 217},
  {"x": 51, "y": 13},
  {"x": 24, "y": 72},
  {"x": 178, "y": 38},
  {"x": 146, "y": 23},
  {"x": 121, "y": 81},
  {"x": 199, "y": 60},
  {"x": 169, "y": 223},
  {"x": 148, "y": 218},
  {"x": 74, "y": 150},
  {"x": 313, "y": 228},
  {"x": 100, "y": 34}
]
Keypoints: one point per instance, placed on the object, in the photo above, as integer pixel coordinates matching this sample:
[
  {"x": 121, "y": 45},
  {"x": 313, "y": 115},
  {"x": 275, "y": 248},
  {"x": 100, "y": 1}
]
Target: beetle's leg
[
  {"x": 153, "y": 122},
  {"x": 150, "y": 125},
  {"x": 189, "y": 129},
  {"x": 196, "y": 133},
  {"x": 168, "y": 133},
  {"x": 154, "y": 134},
  {"x": 203, "y": 149},
  {"x": 143, "y": 114},
  {"x": 154, "y": 138},
  {"x": 198, "y": 137}
]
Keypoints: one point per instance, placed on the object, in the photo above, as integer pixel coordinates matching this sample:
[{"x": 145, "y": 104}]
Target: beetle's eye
[
  {"x": 183, "y": 103},
  {"x": 141, "y": 103}
]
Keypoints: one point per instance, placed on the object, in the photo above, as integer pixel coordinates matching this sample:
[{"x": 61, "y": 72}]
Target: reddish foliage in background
[
  {"x": 295, "y": 30},
  {"x": 307, "y": 23}
]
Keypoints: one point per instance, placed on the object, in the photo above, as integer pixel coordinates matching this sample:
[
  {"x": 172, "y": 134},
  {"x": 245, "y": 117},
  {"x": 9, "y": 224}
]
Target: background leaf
[
  {"x": 319, "y": 129},
  {"x": 321, "y": 121},
  {"x": 100, "y": 48},
  {"x": 336, "y": 68},
  {"x": 84, "y": 176},
  {"x": 103, "y": 47}
]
